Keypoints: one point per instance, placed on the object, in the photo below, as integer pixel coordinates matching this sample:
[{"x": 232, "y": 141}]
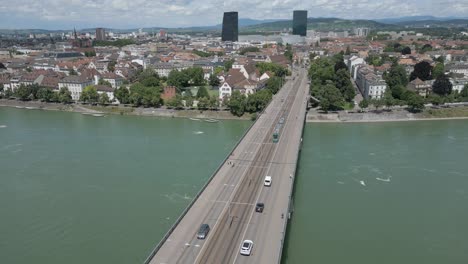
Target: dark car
[
  {"x": 259, "y": 207},
  {"x": 203, "y": 231}
]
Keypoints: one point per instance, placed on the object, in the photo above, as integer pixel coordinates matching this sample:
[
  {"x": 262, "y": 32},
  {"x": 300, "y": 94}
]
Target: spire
[{"x": 74, "y": 32}]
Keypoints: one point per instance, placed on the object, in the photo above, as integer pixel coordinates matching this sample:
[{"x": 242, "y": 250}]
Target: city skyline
[{"x": 126, "y": 14}]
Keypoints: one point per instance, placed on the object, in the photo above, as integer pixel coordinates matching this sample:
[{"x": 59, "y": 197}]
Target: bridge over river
[{"x": 227, "y": 201}]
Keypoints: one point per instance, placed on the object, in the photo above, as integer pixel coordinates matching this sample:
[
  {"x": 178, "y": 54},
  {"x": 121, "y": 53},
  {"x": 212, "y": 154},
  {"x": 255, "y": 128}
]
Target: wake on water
[
  {"x": 384, "y": 180},
  {"x": 198, "y": 132},
  {"x": 3, "y": 126}
]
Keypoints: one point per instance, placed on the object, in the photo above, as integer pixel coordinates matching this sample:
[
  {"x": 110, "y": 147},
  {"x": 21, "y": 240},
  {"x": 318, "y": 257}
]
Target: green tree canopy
[
  {"x": 89, "y": 95},
  {"x": 214, "y": 81},
  {"x": 442, "y": 86},
  {"x": 331, "y": 98},
  {"x": 415, "y": 102},
  {"x": 438, "y": 70},
  {"x": 422, "y": 70},
  {"x": 122, "y": 94},
  {"x": 343, "y": 83},
  {"x": 45, "y": 94},
  {"x": 236, "y": 103},
  {"x": 203, "y": 92},
  {"x": 104, "y": 99},
  {"x": 243, "y": 51},
  {"x": 64, "y": 96}
]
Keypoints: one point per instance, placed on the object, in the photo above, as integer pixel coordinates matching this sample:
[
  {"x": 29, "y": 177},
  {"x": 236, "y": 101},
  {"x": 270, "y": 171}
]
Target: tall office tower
[
  {"x": 230, "y": 27},
  {"x": 300, "y": 22},
  {"x": 100, "y": 34}
]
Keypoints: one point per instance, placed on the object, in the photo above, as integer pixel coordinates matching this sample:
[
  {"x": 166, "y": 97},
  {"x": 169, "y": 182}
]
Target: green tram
[{"x": 276, "y": 133}]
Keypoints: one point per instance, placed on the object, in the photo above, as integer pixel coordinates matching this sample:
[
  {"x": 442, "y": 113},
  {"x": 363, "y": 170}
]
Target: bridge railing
[
  {"x": 173, "y": 227},
  {"x": 285, "y": 223}
]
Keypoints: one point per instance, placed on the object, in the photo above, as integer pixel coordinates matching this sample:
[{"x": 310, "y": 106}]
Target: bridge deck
[{"x": 228, "y": 202}]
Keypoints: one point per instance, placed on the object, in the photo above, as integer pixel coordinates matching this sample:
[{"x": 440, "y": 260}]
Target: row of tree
[
  {"x": 331, "y": 82},
  {"x": 36, "y": 92}
]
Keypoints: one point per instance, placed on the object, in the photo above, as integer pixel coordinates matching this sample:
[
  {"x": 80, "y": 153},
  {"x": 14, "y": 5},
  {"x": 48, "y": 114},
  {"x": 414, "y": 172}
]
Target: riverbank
[
  {"x": 123, "y": 110},
  {"x": 400, "y": 115}
]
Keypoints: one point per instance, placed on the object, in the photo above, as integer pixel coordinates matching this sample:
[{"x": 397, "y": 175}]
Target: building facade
[
  {"x": 300, "y": 22},
  {"x": 100, "y": 34},
  {"x": 230, "y": 27}
]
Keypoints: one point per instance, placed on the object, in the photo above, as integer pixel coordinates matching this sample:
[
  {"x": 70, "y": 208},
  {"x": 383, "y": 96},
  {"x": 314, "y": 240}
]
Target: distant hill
[
  {"x": 247, "y": 25},
  {"x": 325, "y": 24},
  {"x": 435, "y": 23},
  {"x": 398, "y": 20}
]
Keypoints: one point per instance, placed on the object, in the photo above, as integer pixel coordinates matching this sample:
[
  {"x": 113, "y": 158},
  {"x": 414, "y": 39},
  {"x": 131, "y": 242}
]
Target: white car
[
  {"x": 246, "y": 247},
  {"x": 267, "y": 181}
]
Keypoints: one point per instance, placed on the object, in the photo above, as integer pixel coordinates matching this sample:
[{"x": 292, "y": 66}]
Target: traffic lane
[
  {"x": 177, "y": 241},
  {"x": 266, "y": 230}
]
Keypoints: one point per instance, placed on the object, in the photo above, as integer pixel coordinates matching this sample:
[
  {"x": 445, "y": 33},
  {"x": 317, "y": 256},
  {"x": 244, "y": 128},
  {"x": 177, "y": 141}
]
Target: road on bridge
[{"x": 228, "y": 202}]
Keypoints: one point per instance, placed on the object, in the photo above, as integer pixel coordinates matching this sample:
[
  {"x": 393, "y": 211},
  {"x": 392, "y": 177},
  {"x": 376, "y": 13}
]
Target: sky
[{"x": 124, "y": 14}]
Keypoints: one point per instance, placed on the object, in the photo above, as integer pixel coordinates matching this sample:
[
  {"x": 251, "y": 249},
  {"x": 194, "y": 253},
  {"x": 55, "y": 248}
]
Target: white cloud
[{"x": 173, "y": 13}]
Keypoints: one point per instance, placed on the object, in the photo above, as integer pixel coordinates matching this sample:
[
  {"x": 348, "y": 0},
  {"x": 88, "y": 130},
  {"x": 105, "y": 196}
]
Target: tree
[
  {"x": 435, "y": 99},
  {"x": 72, "y": 72},
  {"x": 343, "y": 83},
  {"x": 438, "y": 70},
  {"x": 415, "y": 103},
  {"x": 340, "y": 65},
  {"x": 214, "y": 81},
  {"x": 422, "y": 70},
  {"x": 273, "y": 84},
  {"x": 104, "y": 82},
  {"x": 64, "y": 96},
  {"x": 151, "y": 81},
  {"x": 203, "y": 92},
  {"x": 442, "y": 86},
  {"x": 406, "y": 51},
  {"x": 188, "y": 101},
  {"x": 228, "y": 65},
  {"x": 377, "y": 103},
  {"x": 388, "y": 99},
  {"x": 196, "y": 76},
  {"x": 104, "y": 99},
  {"x": 203, "y": 103},
  {"x": 89, "y": 95},
  {"x": 175, "y": 102},
  {"x": 396, "y": 80},
  {"x": 45, "y": 94},
  {"x": 213, "y": 102},
  {"x": 237, "y": 103},
  {"x": 464, "y": 92},
  {"x": 243, "y": 51},
  {"x": 331, "y": 98},
  {"x": 23, "y": 92},
  {"x": 178, "y": 79},
  {"x": 122, "y": 94},
  {"x": 364, "y": 104}
]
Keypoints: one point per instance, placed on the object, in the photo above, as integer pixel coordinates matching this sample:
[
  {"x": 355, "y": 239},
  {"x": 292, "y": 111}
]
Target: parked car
[
  {"x": 246, "y": 247},
  {"x": 259, "y": 207},
  {"x": 203, "y": 231}
]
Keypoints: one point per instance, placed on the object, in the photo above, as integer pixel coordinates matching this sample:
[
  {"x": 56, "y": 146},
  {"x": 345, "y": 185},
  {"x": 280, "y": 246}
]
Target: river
[
  {"x": 381, "y": 193},
  {"x": 83, "y": 189}
]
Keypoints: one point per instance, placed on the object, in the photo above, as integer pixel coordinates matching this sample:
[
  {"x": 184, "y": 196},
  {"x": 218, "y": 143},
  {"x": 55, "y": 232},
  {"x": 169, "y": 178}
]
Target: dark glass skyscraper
[
  {"x": 230, "y": 27},
  {"x": 300, "y": 22}
]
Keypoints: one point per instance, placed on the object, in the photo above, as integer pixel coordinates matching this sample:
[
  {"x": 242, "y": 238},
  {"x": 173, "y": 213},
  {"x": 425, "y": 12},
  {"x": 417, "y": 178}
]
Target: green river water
[{"x": 83, "y": 189}]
